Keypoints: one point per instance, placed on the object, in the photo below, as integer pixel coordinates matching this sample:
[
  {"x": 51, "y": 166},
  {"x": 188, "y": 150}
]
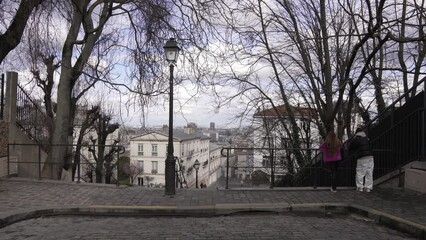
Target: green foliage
[
  {"x": 123, "y": 170},
  {"x": 258, "y": 177}
]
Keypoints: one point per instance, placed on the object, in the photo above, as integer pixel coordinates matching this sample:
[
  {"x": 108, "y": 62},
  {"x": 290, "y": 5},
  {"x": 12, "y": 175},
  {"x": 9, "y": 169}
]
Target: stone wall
[
  {"x": 4, "y": 137},
  {"x": 415, "y": 177}
]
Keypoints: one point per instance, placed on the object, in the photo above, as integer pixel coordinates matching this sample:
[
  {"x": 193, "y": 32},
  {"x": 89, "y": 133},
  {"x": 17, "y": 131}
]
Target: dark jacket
[{"x": 360, "y": 145}]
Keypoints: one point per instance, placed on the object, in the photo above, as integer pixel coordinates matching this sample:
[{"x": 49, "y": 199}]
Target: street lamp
[
  {"x": 172, "y": 51},
  {"x": 196, "y": 166}
]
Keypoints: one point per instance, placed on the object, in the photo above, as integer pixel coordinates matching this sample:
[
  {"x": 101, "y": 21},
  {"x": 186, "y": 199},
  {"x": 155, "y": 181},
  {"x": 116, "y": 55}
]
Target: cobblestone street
[
  {"x": 247, "y": 226},
  {"x": 33, "y": 209}
]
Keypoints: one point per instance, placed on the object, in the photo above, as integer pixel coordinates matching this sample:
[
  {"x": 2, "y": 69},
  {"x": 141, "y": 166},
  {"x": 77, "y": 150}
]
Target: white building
[
  {"x": 149, "y": 151},
  {"x": 90, "y": 139},
  {"x": 269, "y": 133},
  {"x": 216, "y": 164},
  {"x": 87, "y": 160}
]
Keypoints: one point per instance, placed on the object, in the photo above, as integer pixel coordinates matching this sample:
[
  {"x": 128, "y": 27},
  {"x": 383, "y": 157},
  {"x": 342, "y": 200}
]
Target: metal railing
[
  {"x": 84, "y": 170},
  {"x": 274, "y": 172},
  {"x": 406, "y": 140},
  {"x": 32, "y": 120},
  {"x": 2, "y": 97},
  {"x": 278, "y": 168},
  {"x": 401, "y": 129}
]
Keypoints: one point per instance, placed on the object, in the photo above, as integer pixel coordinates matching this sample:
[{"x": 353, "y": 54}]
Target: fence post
[
  {"x": 8, "y": 160},
  {"x": 39, "y": 162},
  {"x": 423, "y": 150},
  {"x": 118, "y": 160},
  {"x": 316, "y": 169},
  {"x": 271, "y": 186},
  {"x": 315, "y": 174},
  {"x": 227, "y": 168},
  {"x": 2, "y": 97},
  {"x": 78, "y": 169}
]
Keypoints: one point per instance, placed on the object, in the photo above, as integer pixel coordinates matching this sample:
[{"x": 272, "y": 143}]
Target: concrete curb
[
  {"x": 392, "y": 221},
  {"x": 389, "y": 220}
]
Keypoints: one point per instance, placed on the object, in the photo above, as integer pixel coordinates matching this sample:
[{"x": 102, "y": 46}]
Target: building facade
[
  {"x": 272, "y": 134},
  {"x": 149, "y": 152}
]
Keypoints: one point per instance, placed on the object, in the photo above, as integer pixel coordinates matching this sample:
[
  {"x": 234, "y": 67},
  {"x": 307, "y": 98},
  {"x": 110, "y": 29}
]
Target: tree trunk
[
  {"x": 62, "y": 124},
  {"x": 12, "y": 36}
]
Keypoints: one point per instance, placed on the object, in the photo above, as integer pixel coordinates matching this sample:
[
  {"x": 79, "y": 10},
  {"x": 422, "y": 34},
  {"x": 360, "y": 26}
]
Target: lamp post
[
  {"x": 196, "y": 166},
  {"x": 172, "y": 51}
]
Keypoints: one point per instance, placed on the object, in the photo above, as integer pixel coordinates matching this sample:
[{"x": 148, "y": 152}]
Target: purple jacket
[{"x": 329, "y": 157}]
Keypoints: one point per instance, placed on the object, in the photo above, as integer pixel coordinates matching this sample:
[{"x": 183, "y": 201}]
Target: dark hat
[{"x": 358, "y": 130}]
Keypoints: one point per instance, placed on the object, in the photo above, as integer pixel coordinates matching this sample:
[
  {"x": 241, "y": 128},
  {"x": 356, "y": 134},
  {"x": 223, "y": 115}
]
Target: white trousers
[{"x": 364, "y": 168}]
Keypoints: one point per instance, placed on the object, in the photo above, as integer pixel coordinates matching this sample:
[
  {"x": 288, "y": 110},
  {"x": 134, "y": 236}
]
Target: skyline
[{"x": 201, "y": 113}]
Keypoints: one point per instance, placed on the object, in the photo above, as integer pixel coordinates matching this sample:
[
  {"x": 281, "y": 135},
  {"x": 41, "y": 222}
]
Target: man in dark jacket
[{"x": 360, "y": 145}]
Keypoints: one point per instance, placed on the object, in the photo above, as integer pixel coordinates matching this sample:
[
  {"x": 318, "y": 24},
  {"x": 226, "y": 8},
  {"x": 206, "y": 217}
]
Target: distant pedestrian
[
  {"x": 331, "y": 151},
  {"x": 360, "y": 145}
]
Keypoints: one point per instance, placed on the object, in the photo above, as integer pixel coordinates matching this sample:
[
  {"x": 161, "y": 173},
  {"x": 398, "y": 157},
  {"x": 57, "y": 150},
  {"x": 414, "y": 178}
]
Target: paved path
[
  {"x": 23, "y": 199},
  {"x": 259, "y": 226}
]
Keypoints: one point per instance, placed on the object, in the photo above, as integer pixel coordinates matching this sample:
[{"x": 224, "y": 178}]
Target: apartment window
[
  {"x": 140, "y": 149},
  {"x": 154, "y": 150},
  {"x": 154, "y": 167},
  {"x": 140, "y": 181},
  {"x": 140, "y": 166},
  {"x": 266, "y": 162}
]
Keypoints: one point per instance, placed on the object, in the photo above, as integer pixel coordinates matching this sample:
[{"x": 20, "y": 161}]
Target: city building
[
  {"x": 272, "y": 134},
  {"x": 149, "y": 152}
]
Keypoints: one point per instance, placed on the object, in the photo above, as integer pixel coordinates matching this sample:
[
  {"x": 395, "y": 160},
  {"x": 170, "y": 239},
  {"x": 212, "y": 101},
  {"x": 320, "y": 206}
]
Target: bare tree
[
  {"x": 14, "y": 27},
  {"x": 91, "y": 116},
  {"x": 133, "y": 170},
  {"x": 87, "y": 23},
  {"x": 325, "y": 55},
  {"x": 104, "y": 160},
  {"x": 90, "y": 53}
]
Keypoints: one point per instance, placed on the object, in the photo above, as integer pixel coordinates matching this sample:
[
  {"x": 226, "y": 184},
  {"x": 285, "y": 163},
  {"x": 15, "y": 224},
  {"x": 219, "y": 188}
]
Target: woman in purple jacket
[{"x": 331, "y": 151}]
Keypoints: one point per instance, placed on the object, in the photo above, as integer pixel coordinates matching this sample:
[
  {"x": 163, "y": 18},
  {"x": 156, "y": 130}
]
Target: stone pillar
[
  {"x": 11, "y": 94},
  {"x": 4, "y": 140},
  {"x": 423, "y": 147},
  {"x": 8, "y": 119}
]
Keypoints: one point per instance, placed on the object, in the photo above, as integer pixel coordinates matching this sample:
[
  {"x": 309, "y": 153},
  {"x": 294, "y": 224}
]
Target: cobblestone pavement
[
  {"x": 259, "y": 226},
  {"x": 20, "y": 195}
]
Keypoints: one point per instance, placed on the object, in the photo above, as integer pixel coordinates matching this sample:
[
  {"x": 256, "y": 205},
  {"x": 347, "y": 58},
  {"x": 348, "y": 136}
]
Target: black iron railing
[
  {"x": 2, "y": 97},
  {"x": 81, "y": 168},
  {"x": 405, "y": 139},
  {"x": 274, "y": 172},
  {"x": 397, "y": 136},
  {"x": 272, "y": 167},
  {"x": 32, "y": 119}
]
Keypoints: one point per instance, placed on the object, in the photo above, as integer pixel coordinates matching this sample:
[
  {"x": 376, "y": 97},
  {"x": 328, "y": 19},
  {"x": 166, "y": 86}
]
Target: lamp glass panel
[{"x": 171, "y": 55}]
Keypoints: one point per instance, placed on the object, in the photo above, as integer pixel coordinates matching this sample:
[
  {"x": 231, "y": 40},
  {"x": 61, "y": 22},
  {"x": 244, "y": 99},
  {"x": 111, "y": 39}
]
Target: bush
[
  {"x": 123, "y": 173},
  {"x": 258, "y": 177}
]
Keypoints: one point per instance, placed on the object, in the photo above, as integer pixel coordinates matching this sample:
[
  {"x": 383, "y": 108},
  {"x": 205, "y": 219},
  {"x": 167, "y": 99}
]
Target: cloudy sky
[{"x": 200, "y": 110}]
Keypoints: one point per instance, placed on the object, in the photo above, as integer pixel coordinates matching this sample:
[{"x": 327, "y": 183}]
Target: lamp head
[
  {"x": 196, "y": 164},
  {"x": 171, "y": 49}
]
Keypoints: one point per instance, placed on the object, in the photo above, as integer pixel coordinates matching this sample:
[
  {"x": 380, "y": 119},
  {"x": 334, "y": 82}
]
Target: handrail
[
  {"x": 37, "y": 125},
  {"x": 2, "y": 96},
  {"x": 121, "y": 149},
  {"x": 273, "y": 166},
  {"x": 394, "y": 103}
]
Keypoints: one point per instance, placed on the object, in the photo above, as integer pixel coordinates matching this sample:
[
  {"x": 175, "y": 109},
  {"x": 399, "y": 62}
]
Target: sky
[{"x": 200, "y": 111}]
